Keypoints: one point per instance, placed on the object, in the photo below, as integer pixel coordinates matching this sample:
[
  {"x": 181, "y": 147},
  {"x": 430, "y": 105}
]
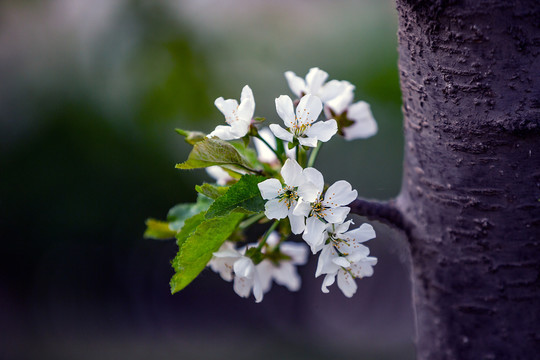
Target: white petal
[
  {"x": 323, "y": 130},
  {"x": 270, "y": 188},
  {"x": 286, "y": 275},
  {"x": 346, "y": 283},
  {"x": 308, "y": 191},
  {"x": 361, "y": 234},
  {"x": 313, "y": 234},
  {"x": 273, "y": 238},
  {"x": 333, "y": 89},
  {"x": 325, "y": 265},
  {"x": 336, "y": 215},
  {"x": 342, "y": 100},
  {"x": 281, "y": 133},
  {"x": 307, "y": 141},
  {"x": 220, "y": 175},
  {"x": 340, "y": 193},
  {"x": 242, "y": 286},
  {"x": 257, "y": 291},
  {"x": 341, "y": 261},
  {"x": 264, "y": 153},
  {"x": 302, "y": 208},
  {"x": 329, "y": 279},
  {"x": 341, "y": 228},
  {"x": 315, "y": 177},
  {"x": 245, "y": 111},
  {"x": 227, "y": 107},
  {"x": 292, "y": 173},
  {"x": 275, "y": 209},
  {"x": 308, "y": 110},
  {"x": 364, "y": 268},
  {"x": 364, "y": 124},
  {"x": 297, "y": 251},
  {"x": 224, "y": 132},
  {"x": 265, "y": 270},
  {"x": 239, "y": 129},
  {"x": 247, "y": 94},
  {"x": 314, "y": 80},
  {"x": 296, "y": 83},
  {"x": 298, "y": 223},
  {"x": 244, "y": 267},
  {"x": 285, "y": 110},
  {"x": 358, "y": 252}
]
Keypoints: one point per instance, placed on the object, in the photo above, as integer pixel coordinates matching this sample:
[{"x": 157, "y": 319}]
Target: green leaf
[
  {"x": 179, "y": 213},
  {"x": 191, "y": 137},
  {"x": 197, "y": 249},
  {"x": 249, "y": 154},
  {"x": 211, "y": 190},
  {"x": 189, "y": 227},
  {"x": 209, "y": 152},
  {"x": 158, "y": 230},
  {"x": 245, "y": 194}
]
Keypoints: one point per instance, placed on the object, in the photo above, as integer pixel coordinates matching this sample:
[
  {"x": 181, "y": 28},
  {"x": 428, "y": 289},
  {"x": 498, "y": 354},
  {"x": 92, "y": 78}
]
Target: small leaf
[
  {"x": 158, "y": 230},
  {"x": 209, "y": 152},
  {"x": 259, "y": 119},
  {"x": 191, "y": 137},
  {"x": 210, "y": 190},
  {"x": 179, "y": 213},
  {"x": 197, "y": 249},
  {"x": 245, "y": 194}
]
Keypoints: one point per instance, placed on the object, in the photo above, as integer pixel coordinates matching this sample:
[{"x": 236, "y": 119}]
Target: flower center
[
  {"x": 289, "y": 195},
  {"x": 299, "y": 128},
  {"x": 318, "y": 209}
]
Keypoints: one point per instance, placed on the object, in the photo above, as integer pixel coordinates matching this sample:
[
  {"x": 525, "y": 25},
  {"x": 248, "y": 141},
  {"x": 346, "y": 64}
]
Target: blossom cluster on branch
[{"x": 274, "y": 188}]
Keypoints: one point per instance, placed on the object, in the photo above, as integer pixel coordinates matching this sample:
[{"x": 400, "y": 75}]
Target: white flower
[
  {"x": 303, "y": 126},
  {"x": 284, "y": 273},
  {"x": 238, "y": 117},
  {"x": 223, "y": 260},
  {"x": 363, "y": 123},
  {"x": 345, "y": 257},
  {"x": 314, "y": 84},
  {"x": 283, "y": 199},
  {"x": 342, "y": 247},
  {"x": 246, "y": 279},
  {"x": 327, "y": 209},
  {"x": 221, "y": 176},
  {"x": 227, "y": 261},
  {"x": 345, "y": 276}
]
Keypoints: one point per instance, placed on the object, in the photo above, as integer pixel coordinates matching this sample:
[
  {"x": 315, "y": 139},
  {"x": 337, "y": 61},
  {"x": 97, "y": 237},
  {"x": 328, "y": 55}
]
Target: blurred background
[{"x": 90, "y": 94}]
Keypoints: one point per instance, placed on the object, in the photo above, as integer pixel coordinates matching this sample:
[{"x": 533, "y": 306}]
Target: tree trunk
[{"x": 470, "y": 77}]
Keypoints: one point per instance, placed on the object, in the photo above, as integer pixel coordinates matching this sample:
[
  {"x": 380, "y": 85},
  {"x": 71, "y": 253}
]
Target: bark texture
[{"x": 470, "y": 77}]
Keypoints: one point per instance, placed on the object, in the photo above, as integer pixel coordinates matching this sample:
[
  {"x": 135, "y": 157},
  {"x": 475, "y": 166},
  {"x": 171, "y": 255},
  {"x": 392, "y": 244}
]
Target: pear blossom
[
  {"x": 344, "y": 256},
  {"x": 284, "y": 272},
  {"x": 329, "y": 208},
  {"x": 360, "y": 268},
  {"x": 314, "y": 84},
  {"x": 284, "y": 198},
  {"x": 238, "y": 117},
  {"x": 227, "y": 261},
  {"x": 221, "y": 176},
  {"x": 223, "y": 260},
  {"x": 357, "y": 121},
  {"x": 342, "y": 246},
  {"x": 303, "y": 126}
]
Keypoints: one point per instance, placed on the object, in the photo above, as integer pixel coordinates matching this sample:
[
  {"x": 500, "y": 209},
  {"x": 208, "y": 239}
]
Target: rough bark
[{"x": 470, "y": 77}]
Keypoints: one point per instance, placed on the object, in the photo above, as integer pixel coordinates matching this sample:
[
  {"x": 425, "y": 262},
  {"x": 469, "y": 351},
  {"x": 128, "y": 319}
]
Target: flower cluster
[{"x": 275, "y": 187}]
